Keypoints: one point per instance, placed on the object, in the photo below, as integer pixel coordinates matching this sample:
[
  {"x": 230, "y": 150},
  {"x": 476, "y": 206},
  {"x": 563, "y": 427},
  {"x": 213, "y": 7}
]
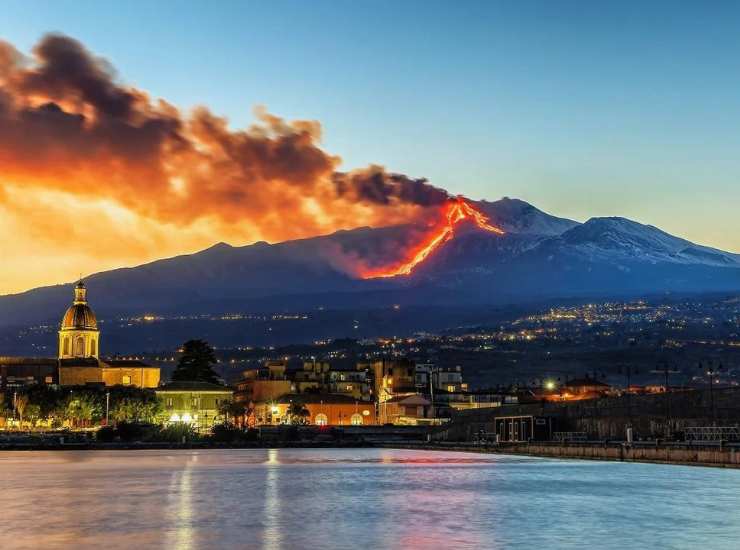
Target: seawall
[{"x": 687, "y": 455}]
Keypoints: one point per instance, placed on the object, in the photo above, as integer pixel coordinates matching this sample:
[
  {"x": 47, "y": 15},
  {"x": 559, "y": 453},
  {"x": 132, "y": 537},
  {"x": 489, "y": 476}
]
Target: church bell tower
[{"x": 79, "y": 337}]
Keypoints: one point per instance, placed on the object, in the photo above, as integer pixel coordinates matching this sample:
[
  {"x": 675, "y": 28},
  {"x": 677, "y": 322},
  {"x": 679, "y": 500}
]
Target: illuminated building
[
  {"x": 273, "y": 380},
  {"x": 79, "y": 337},
  {"x": 78, "y": 361},
  {"x": 406, "y": 409},
  {"x": 195, "y": 403},
  {"x": 323, "y": 410}
]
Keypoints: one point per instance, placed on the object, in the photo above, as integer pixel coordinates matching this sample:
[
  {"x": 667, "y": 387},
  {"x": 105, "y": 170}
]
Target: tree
[
  {"x": 21, "y": 402},
  {"x": 298, "y": 413},
  {"x": 33, "y": 413},
  {"x": 195, "y": 364},
  {"x": 133, "y": 404},
  {"x": 233, "y": 412},
  {"x": 82, "y": 408},
  {"x": 51, "y": 402}
]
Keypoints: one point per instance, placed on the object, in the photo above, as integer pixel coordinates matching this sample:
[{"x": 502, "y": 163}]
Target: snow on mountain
[
  {"x": 517, "y": 216},
  {"x": 618, "y": 238}
]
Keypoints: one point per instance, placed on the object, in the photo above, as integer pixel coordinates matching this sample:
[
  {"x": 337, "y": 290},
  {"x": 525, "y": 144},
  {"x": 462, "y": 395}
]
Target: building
[
  {"x": 447, "y": 379},
  {"x": 323, "y": 410},
  {"x": 263, "y": 383},
  {"x": 390, "y": 377},
  {"x": 17, "y": 372},
  {"x": 273, "y": 379},
  {"x": 198, "y": 404},
  {"x": 406, "y": 409},
  {"x": 78, "y": 361}
]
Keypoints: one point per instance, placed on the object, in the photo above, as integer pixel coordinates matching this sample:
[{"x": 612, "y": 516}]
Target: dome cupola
[{"x": 78, "y": 334}]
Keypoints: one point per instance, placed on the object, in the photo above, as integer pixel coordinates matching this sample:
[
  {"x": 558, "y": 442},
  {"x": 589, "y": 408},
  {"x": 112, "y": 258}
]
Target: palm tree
[
  {"x": 21, "y": 402},
  {"x": 81, "y": 409},
  {"x": 233, "y": 412},
  {"x": 298, "y": 413}
]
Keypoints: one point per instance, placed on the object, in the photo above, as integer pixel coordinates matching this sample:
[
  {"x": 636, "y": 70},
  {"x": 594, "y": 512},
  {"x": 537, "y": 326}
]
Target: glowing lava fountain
[{"x": 455, "y": 211}]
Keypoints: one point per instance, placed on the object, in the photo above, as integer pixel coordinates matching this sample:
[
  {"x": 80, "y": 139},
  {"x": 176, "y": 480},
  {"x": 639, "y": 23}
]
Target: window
[
  {"x": 126, "y": 379},
  {"x": 321, "y": 419},
  {"x": 356, "y": 420},
  {"x": 93, "y": 346},
  {"x": 48, "y": 380},
  {"x": 169, "y": 402},
  {"x": 450, "y": 388},
  {"x": 66, "y": 346},
  {"x": 80, "y": 347}
]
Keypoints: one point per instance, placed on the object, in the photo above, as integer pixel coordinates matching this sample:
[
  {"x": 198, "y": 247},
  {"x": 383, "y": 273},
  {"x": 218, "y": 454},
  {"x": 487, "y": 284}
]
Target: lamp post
[
  {"x": 711, "y": 372},
  {"x": 15, "y": 404},
  {"x": 431, "y": 388}
]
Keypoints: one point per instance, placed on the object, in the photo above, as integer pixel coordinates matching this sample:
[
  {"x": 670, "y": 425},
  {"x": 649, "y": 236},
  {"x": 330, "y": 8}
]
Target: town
[{"x": 422, "y": 383}]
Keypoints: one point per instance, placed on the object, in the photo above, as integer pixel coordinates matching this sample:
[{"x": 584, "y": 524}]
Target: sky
[{"x": 580, "y": 108}]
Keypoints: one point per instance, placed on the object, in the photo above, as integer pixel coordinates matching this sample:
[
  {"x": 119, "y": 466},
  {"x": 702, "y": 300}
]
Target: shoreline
[
  {"x": 709, "y": 456},
  {"x": 685, "y": 455}
]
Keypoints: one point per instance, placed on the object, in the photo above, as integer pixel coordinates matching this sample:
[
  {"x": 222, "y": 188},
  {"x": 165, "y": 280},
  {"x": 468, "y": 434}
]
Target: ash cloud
[
  {"x": 67, "y": 124},
  {"x": 376, "y": 186}
]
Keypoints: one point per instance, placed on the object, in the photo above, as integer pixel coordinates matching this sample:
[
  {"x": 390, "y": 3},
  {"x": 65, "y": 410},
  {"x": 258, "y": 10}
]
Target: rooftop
[
  {"x": 193, "y": 386},
  {"x": 313, "y": 398}
]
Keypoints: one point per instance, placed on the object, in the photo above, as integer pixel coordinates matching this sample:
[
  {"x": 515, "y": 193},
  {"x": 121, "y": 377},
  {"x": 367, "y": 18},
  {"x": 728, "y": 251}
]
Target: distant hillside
[{"x": 539, "y": 257}]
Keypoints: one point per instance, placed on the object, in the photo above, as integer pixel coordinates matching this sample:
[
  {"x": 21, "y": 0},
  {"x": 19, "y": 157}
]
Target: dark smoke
[{"x": 67, "y": 124}]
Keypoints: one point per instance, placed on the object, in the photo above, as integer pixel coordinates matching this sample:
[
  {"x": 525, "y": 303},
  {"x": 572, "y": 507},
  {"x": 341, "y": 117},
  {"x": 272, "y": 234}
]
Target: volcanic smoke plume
[{"x": 82, "y": 154}]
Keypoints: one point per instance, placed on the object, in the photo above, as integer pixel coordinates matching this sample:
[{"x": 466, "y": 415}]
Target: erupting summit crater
[{"x": 454, "y": 211}]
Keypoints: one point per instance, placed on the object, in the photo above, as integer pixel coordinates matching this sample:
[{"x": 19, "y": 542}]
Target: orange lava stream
[{"x": 457, "y": 210}]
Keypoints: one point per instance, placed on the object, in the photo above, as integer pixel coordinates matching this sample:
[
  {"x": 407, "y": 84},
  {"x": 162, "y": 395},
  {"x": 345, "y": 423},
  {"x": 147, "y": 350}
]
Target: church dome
[{"x": 80, "y": 316}]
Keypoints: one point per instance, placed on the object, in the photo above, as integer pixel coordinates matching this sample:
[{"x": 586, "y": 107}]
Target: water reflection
[
  {"x": 366, "y": 498},
  {"x": 180, "y": 498},
  {"x": 272, "y": 539}
]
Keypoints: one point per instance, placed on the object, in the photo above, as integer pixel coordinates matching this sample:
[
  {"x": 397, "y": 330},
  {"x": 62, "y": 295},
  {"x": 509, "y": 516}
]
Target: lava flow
[{"x": 456, "y": 210}]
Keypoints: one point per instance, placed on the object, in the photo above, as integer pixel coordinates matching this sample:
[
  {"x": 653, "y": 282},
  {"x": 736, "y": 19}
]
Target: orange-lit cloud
[{"x": 95, "y": 174}]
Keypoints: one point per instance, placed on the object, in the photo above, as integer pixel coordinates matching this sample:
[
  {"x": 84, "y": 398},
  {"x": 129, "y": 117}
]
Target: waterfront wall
[
  {"x": 700, "y": 456},
  {"x": 717, "y": 456}
]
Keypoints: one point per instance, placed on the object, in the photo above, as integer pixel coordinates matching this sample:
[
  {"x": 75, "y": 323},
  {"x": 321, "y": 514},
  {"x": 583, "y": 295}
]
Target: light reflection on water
[{"x": 363, "y": 498}]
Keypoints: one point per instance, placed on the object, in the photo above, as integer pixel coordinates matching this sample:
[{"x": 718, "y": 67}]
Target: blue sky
[{"x": 581, "y": 108}]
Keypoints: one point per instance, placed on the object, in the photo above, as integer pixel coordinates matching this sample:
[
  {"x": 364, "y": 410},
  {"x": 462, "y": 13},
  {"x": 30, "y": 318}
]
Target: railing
[
  {"x": 712, "y": 433},
  {"x": 570, "y": 436},
  {"x": 483, "y": 438}
]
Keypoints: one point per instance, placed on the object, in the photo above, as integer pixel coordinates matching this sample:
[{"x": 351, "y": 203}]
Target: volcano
[
  {"x": 457, "y": 210},
  {"x": 476, "y": 252}
]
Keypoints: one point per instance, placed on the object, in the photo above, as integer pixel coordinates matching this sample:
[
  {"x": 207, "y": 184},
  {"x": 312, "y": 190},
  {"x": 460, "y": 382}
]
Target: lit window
[
  {"x": 322, "y": 419},
  {"x": 169, "y": 402},
  {"x": 80, "y": 347},
  {"x": 126, "y": 379},
  {"x": 48, "y": 380},
  {"x": 356, "y": 420},
  {"x": 450, "y": 388}
]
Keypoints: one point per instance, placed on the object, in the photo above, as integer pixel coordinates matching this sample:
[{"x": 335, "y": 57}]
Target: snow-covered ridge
[
  {"x": 620, "y": 238},
  {"x": 517, "y": 216}
]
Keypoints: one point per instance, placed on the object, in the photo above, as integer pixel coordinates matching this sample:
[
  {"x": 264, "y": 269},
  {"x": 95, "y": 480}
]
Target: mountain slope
[{"x": 540, "y": 256}]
